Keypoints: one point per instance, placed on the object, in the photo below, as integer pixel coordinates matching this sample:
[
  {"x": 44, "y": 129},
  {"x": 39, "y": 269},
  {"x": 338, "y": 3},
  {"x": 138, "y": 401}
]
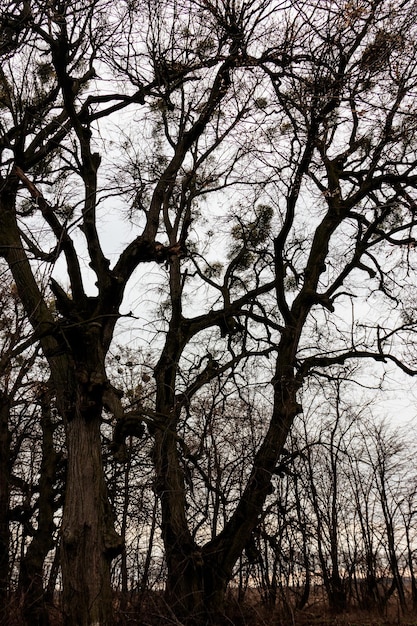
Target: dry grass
[{"x": 153, "y": 611}]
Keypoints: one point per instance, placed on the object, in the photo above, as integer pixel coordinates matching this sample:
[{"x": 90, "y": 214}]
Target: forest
[{"x": 207, "y": 315}]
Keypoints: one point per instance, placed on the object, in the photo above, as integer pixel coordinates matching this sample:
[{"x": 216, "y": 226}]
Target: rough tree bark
[{"x": 89, "y": 541}]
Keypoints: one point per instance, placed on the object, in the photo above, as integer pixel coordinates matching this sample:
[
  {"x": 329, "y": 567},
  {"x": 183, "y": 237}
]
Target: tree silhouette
[{"x": 265, "y": 157}]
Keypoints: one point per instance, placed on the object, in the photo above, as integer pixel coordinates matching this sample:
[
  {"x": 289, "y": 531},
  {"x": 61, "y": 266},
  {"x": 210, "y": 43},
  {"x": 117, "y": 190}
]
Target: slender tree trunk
[
  {"x": 185, "y": 585},
  {"x": 4, "y": 500},
  {"x": 302, "y": 524},
  {"x": 143, "y": 586},
  {"x": 410, "y": 559},
  {"x": 397, "y": 580},
  {"x": 123, "y": 562},
  {"x": 31, "y": 567},
  {"x": 51, "y": 586},
  {"x": 184, "y": 588},
  {"x": 224, "y": 550}
]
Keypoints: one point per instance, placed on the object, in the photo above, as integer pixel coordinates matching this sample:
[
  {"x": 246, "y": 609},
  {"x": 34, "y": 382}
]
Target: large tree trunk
[{"x": 89, "y": 540}]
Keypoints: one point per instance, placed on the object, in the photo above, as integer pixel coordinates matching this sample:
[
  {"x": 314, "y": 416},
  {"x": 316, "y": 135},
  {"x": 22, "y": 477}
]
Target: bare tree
[
  {"x": 49, "y": 129},
  {"x": 17, "y": 356},
  {"x": 334, "y": 158},
  {"x": 271, "y": 148}
]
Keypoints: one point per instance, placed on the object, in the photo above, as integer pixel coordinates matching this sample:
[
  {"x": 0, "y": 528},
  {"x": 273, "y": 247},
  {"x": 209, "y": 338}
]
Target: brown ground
[{"x": 154, "y": 612}]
